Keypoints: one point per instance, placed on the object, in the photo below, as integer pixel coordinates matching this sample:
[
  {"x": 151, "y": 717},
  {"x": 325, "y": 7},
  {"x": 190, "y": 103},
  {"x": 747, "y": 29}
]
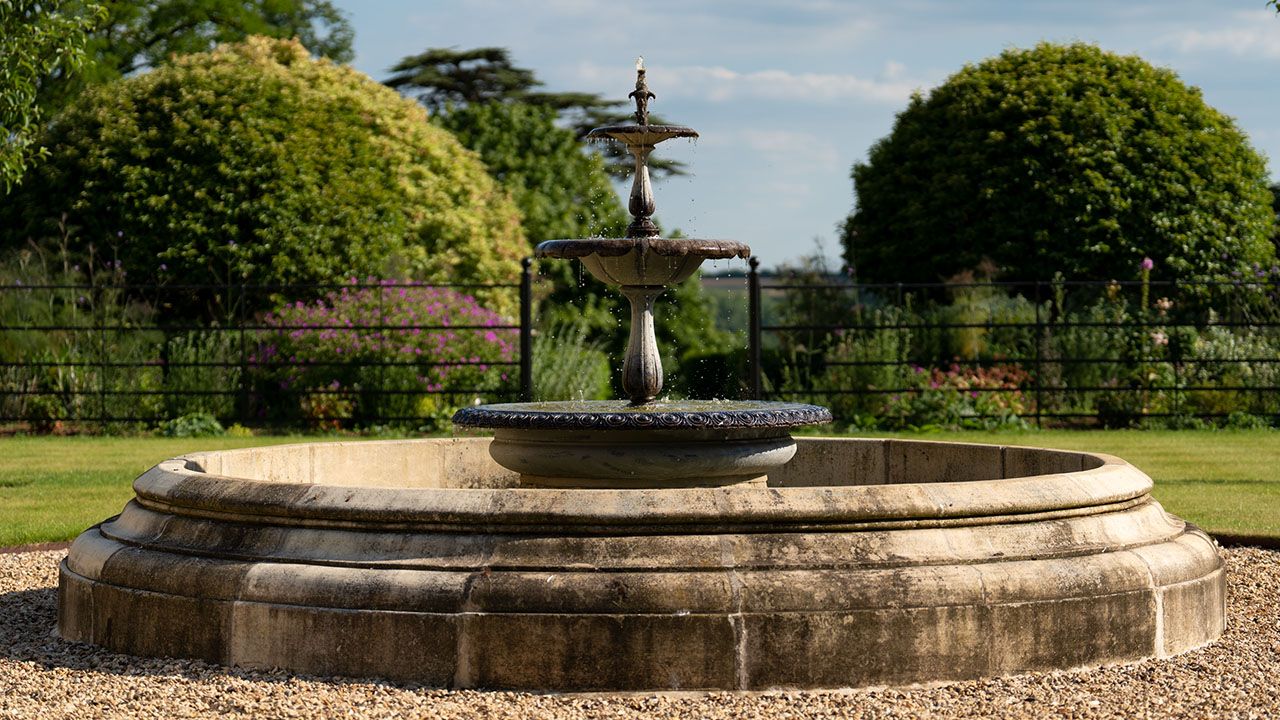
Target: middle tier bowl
[
  {"x": 642, "y": 261},
  {"x": 613, "y": 444}
]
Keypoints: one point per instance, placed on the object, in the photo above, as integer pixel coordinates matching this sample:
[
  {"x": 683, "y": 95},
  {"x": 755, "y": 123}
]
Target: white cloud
[
  {"x": 1253, "y": 34},
  {"x": 719, "y": 84}
]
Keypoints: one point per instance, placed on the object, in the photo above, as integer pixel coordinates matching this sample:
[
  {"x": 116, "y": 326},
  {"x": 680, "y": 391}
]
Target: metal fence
[
  {"x": 1052, "y": 352},
  {"x": 1058, "y": 352},
  {"x": 98, "y": 355}
]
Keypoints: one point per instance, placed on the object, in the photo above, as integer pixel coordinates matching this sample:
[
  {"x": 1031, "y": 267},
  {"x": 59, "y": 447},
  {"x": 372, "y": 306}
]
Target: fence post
[
  {"x": 98, "y": 301},
  {"x": 526, "y": 330},
  {"x": 1036, "y": 381},
  {"x": 753, "y": 329},
  {"x": 243, "y": 390}
]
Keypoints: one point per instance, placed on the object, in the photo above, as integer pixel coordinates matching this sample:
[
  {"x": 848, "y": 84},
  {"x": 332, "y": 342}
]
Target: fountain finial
[{"x": 641, "y": 94}]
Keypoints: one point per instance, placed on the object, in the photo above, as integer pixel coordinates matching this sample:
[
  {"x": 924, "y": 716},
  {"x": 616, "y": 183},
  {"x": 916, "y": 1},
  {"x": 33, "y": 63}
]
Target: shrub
[
  {"x": 386, "y": 353},
  {"x": 1059, "y": 158},
  {"x": 256, "y": 163},
  {"x": 977, "y": 398},
  {"x": 1221, "y": 359},
  {"x": 193, "y": 425}
]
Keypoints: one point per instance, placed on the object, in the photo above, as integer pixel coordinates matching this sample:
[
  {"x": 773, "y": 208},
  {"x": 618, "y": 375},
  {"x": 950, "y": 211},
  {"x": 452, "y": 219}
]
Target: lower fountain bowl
[
  {"x": 864, "y": 562},
  {"x": 665, "y": 444}
]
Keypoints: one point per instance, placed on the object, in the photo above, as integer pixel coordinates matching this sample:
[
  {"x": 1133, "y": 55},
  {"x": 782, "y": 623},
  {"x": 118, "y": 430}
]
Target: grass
[
  {"x": 52, "y": 488},
  {"x": 1227, "y": 482}
]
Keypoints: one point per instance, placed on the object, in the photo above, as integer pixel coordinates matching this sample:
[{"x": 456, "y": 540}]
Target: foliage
[
  {"x": 129, "y": 36},
  {"x": 1133, "y": 354},
  {"x": 567, "y": 365},
  {"x": 1275, "y": 208},
  {"x": 446, "y": 79},
  {"x": 37, "y": 39},
  {"x": 1059, "y": 158},
  {"x": 201, "y": 373},
  {"x": 561, "y": 192},
  {"x": 1223, "y": 359},
  {"x": 381, "y": 354},
  {"x": 871, "y": 356},
  {"x": 90, "y": 357},
  {"x": 962, "y": 397},
  {"x": 257, "y": 164},
  {"x": 193, "y": 425}
]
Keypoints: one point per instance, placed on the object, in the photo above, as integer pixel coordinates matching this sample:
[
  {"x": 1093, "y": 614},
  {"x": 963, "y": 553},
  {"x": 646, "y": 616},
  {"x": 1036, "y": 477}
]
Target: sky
[{"x": 787, "y": 96}]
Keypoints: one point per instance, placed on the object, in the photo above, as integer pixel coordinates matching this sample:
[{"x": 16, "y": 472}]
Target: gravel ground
[{"x": 43, "y": 676}]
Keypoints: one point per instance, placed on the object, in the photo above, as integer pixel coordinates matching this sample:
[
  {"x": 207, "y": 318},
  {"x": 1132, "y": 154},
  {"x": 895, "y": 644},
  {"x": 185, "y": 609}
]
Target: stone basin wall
[
  {"x": 864, "y": 562},
  {"x": 465, "y": 463}
]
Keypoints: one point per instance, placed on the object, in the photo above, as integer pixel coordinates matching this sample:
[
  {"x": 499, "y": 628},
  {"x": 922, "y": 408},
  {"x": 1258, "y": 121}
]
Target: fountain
[
  {"x": 645, "y": 544},
  {"x": 642, "y": 443}
]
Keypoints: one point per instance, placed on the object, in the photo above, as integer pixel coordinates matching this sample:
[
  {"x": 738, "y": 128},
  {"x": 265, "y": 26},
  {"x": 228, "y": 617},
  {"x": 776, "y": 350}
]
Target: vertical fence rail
[
  {"x": 526, "y": 330},
  {"x": 243, "y": 399},
  {"x": 1036, "y": 378},
  {"x": 754, "y": 331}
]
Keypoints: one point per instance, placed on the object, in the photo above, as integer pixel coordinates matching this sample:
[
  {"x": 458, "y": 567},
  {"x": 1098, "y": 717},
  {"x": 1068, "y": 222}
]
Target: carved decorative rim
[
  {"x": 667, "y": 247},
  {"x": 669, "y": 131},
  {"x": 523, "y": 416}
]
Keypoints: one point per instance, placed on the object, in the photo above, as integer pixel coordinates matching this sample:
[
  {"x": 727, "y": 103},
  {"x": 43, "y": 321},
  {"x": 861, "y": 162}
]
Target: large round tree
[
  {"x": 257, "y": 163},
  {"x": 1059, "y": 158}
]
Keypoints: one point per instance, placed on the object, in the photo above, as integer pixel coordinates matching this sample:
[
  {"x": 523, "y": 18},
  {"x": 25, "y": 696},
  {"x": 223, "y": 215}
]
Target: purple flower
[
  {"x": 1147, "y": 264},
  {"x": 163, "y": 266}
]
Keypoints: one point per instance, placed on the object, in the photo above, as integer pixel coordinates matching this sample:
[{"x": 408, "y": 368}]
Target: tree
[
  {"x": 561, "y": 191},
  {"x": 1059, "y": 158},
  {"x": 36, "y": 39},
  {"x": 256, "y": 163},
  {"x": 131, "y": 36},
  {"x": 445, "y": 79},
  {"x": 1275, "y": 208}
]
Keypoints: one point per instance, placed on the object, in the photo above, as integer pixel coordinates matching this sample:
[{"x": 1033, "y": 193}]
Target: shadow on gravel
[{"x": 28, "y": 622}]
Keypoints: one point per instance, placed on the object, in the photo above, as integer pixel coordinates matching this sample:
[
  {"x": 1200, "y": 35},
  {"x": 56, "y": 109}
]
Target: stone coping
[{"x": 386, "y": 484}]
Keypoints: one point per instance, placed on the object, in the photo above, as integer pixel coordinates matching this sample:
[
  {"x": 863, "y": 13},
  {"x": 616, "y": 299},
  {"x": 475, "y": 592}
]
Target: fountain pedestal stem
[
  {"x": 641, "y": 204},
  {"x": 642, "y": 368}
]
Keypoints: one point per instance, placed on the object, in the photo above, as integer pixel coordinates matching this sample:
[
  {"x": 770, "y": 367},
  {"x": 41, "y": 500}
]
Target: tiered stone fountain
[
  {"x": 642, "y": 443},
  {"x": 645, "y": 545}
]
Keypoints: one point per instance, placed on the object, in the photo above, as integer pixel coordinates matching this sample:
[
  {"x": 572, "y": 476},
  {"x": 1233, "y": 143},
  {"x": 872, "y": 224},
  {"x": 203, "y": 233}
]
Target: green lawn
[
  {"x": 1226, "y": 482},
  {"x": 52, "y": 488}
]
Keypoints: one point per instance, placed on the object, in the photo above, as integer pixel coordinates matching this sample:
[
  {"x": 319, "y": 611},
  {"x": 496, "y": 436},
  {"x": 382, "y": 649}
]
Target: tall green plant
[{"x": 569, "y": 365}]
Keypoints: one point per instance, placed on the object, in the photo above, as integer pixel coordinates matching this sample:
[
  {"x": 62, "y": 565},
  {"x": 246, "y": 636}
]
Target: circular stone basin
[
  {"x": 864, "y": 562},
  {"x": 614, "y": 444}
]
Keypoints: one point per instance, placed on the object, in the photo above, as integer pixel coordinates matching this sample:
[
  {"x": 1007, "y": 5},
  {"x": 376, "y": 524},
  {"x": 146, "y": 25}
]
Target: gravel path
[{"x": 43, "y": 676}]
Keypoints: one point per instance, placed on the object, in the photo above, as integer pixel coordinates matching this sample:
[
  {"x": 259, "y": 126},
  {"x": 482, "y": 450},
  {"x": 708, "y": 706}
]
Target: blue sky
[{"x": 788, "y": 95}]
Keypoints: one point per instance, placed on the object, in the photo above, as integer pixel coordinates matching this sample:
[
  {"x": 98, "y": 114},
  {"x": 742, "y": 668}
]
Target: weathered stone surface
[{"x": 440, "y": 570}]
